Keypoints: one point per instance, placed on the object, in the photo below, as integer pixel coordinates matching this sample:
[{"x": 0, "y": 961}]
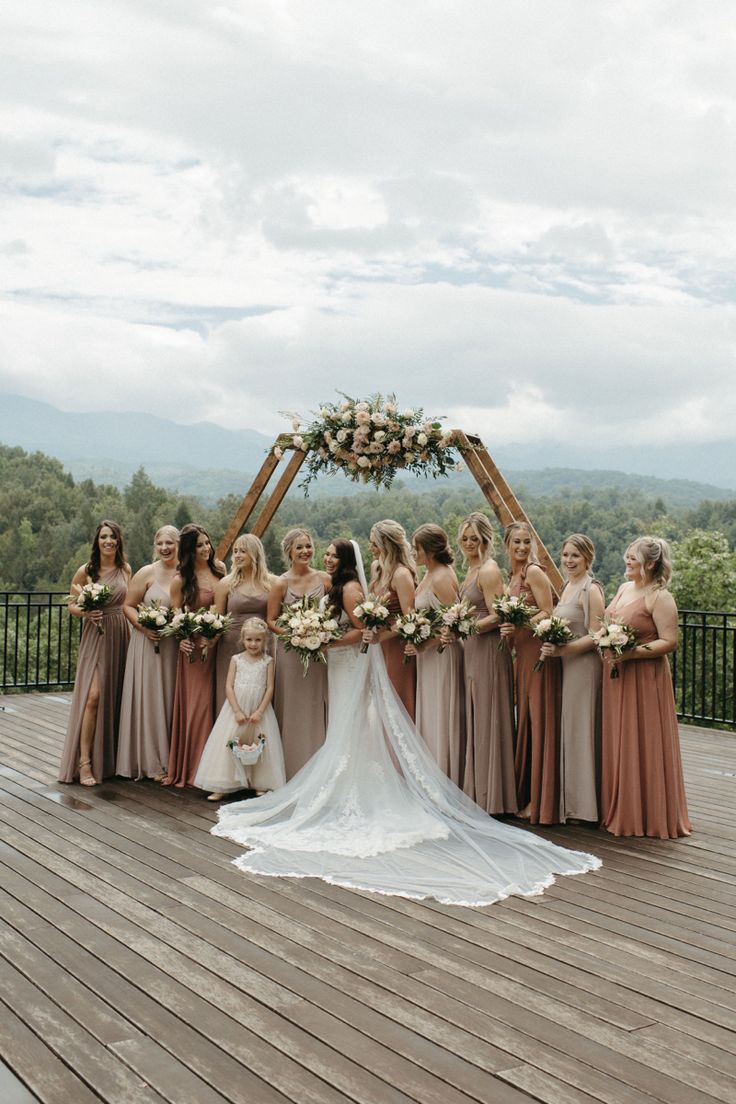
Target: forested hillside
[{"x": 47, "y": 520}]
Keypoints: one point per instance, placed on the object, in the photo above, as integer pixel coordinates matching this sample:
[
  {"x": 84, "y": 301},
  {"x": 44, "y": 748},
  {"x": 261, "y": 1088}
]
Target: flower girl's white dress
[{"x": 218, "y": 770}]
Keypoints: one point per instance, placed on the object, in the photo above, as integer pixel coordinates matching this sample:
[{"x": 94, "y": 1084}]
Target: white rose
[
  {"x": 298, "y": 441},
  {"x": 410, "y": 431},
  {"x": 160, "y": 619},
  {"x": 421, "y": 439},
  {"x": 544, "y": 624},
  {"x": 312, "y": 642},
  {"x": 342, "y": 435},
  {"x": 408, "y": 413},
  {"x": 379, "y": 436},
  {"x": 324, "y": 412},
  {"x": 363, "y": 462},
  {"x": 362, "y": 406},
  {"x": 347, "y": 417}
]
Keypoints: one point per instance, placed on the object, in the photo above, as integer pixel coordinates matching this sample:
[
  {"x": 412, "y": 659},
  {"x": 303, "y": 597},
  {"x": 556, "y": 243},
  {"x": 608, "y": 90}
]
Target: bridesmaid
[
  {"x": 440, "y": 692},
  {"x": 538, "y": 693},
  {"x": 150, "y": 679},
  {"x": 581, "y": 602},
  {"x": 394, "y": 576},
  {"x": 193, "y": 586},
  {"x": 643, "y": 791},
  {"x": 489, "y": 678},
  {"x": 243, "y": 594},
  {"x": 300, "y": 700},
  {"x": 91, "y": 735}
]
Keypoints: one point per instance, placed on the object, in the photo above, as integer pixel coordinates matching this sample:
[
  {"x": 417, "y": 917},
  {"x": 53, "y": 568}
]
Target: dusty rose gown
[
  {"x": 240, "y": 607},
  {"x": 194, "y": 708},
  {"x": 103, "y": 654},
  {"x": 643, "y": 790},
  {"x": 299, "y": 700},
  {"x": 403, "y": 676},
  {"x": 440, "y": 698},
  {"x": 148, "y": 701},
  {"x": 538, "y": 703},
  {"x": 580, "y": 723},
  {"x": 489, "y": 777}
]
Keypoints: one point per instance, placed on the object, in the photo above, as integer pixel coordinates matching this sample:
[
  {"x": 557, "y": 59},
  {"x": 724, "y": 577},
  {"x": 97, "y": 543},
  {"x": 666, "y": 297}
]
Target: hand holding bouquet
[
  {"x": 305, "y": 627},
  {"x": 614, "y": 638},
  {"x": 183, "y": 625},
  {"x": 414, "y": 627},
  {"x": 512, "y": 610},
  {"x": 212, "y": 625},
  {"x": 458, "y": 618},
  {"x": 374, "y": 614},
  {"x": 91, "y": 596},
  {"x": 155, "y": 617},
  {"x": 551, "y": 630}
]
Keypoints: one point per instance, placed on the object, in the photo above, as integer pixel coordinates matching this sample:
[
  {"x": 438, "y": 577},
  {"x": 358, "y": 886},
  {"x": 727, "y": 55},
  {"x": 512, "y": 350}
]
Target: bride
[{"x": 371, "y": 809}]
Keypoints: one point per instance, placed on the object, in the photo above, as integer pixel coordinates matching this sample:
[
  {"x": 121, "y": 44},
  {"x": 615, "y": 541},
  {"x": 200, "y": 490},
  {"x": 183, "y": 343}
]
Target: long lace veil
[{"x": 372, "y": 810}]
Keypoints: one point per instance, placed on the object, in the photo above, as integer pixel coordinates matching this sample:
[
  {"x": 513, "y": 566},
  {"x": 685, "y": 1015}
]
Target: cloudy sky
[{"x": 517, "y": 214}]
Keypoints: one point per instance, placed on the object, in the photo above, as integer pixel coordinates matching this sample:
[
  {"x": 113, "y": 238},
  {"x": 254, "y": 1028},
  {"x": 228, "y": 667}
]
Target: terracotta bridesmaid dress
[
  {"x": 194, "y": 708},
  {"x": 403, "y": 676},
  {"x": 643, "y": 790}
]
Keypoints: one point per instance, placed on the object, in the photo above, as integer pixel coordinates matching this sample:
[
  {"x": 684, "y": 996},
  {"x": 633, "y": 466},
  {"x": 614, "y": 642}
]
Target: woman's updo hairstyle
[
  {"x": 432, "y": 539},
  {"x": 654, "y": 553},
  {"x": 481, "y": 526},
  {"x": 582, "y": 545}
]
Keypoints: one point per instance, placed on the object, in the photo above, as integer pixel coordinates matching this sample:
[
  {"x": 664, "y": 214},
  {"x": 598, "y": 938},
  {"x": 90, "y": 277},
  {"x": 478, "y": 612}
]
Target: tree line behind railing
[{"x": 40, "y": 642}]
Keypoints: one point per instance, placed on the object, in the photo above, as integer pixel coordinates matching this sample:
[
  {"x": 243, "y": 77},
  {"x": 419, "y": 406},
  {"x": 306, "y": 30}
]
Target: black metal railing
[{"x": 40, "y": 642}]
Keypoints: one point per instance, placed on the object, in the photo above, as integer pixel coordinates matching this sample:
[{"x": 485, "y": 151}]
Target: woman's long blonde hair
[
  {"x": 481, "y": 527},
  {"x": 258, "y": 580},
  {"x": 394, "y": 551},
  {"x": 525, "y": 527}
]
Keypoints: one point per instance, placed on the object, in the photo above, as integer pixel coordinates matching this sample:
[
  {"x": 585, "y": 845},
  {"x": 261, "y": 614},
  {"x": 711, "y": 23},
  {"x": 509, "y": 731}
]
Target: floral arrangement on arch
[{"x": 371, "y": 439}]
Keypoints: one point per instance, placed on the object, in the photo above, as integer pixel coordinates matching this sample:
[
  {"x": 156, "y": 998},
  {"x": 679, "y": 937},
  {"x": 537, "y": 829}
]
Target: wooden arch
[{"x": 496, "y": 490}]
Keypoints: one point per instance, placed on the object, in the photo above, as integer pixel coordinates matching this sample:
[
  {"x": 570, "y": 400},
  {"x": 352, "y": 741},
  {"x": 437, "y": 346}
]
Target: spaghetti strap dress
[
  {"x": 440, "y": 698},
  {"x": 102, "y": 654},
  {"x": 489, "y": 777},
  {"x": 194, "y": 708},
  {"x": 538, "y": 703},
  {"x": 299, "y": 700},
  {"x": 643, "y": 790},
  {"x": 403, "y": 676}
]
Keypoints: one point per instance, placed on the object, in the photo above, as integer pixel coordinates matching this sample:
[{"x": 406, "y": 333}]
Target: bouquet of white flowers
[
  {"x": 154, "y": 616},
  {"x": 91, "y": 596},
  {"x": 458, "y": 618},
  {"x": 374, "y": 613},
  {"x": 617, "y": 637},
  {"x": 512, "y": 610},
  {"x": 305, "y": 626},
  {"x": 415, "y": 627},
  {"x": 212, "y": 625},
  {"x": 183, "y": 625},
  {"x": 551, "y": 630}
]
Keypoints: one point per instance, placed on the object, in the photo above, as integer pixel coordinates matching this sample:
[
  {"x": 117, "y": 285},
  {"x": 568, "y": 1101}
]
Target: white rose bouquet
[
  {"x": 91, "y": 596},
  {"x": 415, "y": 627},
  {"x": 183, "y": 625},
  {"x": 305, "y": 626},
  {"x": 616, "y": 637},
  {"x": 212, "y": 625},
  {"x": 551, "y": 630},
  {"x": 374, "y": 614},
  {"x": 154, "y": 616},
  {"x": 458, "y": 618},
  {"x": 512, "y": 610}
]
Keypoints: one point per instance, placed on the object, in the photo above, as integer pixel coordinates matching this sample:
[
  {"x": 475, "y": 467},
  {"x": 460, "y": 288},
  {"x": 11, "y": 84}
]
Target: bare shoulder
[
  {"x": 489, "y": 573},
  {"x": 144, "y": 575},
  {"x": 80, "y": 576}
]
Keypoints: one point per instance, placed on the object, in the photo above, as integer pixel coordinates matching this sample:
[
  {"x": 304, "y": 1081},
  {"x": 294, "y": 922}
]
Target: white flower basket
[{"x": 248, "y": 754}]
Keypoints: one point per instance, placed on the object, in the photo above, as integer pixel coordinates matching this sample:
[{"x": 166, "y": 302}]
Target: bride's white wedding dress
[{"x": 372, "y": 810}]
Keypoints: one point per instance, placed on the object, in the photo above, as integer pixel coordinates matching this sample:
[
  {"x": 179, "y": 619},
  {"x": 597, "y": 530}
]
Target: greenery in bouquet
[
  {"x": 615, "y": 638},
  {"x": 512, "y": 609},
  {"x": 184, "y": 625},
  {"x": 212, "y": 625},
  {"x": 374, "y": 614},
  {"x": 415, "y": 627},
  {"x": 551, "y": 630},
  {"x": 91, "y": 596},
  {"x": 306, "y": 626},
  {"x": 371, "y": 439},
  {"x": 155, "y": 616},
  {"x": 458, "y": 618}
]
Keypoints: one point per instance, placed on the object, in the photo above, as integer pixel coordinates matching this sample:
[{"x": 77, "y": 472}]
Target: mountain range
[{"x": 207, "y": 461}]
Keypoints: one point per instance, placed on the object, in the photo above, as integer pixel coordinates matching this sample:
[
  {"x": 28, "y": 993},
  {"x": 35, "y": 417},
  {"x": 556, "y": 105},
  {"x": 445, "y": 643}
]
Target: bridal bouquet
[
  {"x": 183, "y": 625},
  {"x": 617, "y": 637},
  {"x": 91, "y": 596},
  {"x": 415, "y": 627},
  {"x": 374, "y": 614},
  {"x": 154, "y": 616},
  {"x": 370, "y": 440},
  {"x": 551, "y": 630},
  {"x": 458, "y": 618},
  {"x": 512, "y": 610},
  {"x": 212, "y": 625},
  {"x": 305, "y": 627}
]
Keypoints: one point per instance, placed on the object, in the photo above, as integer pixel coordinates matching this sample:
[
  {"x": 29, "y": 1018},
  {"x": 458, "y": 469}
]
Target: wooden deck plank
[{"x": 125, "y": 918}]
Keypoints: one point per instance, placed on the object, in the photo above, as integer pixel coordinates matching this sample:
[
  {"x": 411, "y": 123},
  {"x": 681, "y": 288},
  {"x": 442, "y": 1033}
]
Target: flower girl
[{"x": 246, "y": 722}]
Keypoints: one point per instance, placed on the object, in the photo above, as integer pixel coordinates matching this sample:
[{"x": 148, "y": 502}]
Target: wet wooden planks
[{"x": 136, "y": 963}]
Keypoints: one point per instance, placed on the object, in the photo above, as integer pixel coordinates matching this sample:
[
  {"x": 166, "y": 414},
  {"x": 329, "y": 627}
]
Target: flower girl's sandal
[
  {"x": 216, "y": 797},
  {"x": 86, "y": 778}
]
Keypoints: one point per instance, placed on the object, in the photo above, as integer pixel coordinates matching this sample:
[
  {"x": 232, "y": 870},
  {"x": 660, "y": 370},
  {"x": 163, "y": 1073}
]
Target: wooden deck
[{"x": 139, "y": 965}]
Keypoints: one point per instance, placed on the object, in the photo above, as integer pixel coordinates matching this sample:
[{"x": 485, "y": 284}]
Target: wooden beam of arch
[{"x": 494, "y": 487}]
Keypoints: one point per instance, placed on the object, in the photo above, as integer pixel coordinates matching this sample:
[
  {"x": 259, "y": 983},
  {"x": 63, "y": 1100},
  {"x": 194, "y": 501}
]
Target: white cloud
[{"x": 518, "y": 214}]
